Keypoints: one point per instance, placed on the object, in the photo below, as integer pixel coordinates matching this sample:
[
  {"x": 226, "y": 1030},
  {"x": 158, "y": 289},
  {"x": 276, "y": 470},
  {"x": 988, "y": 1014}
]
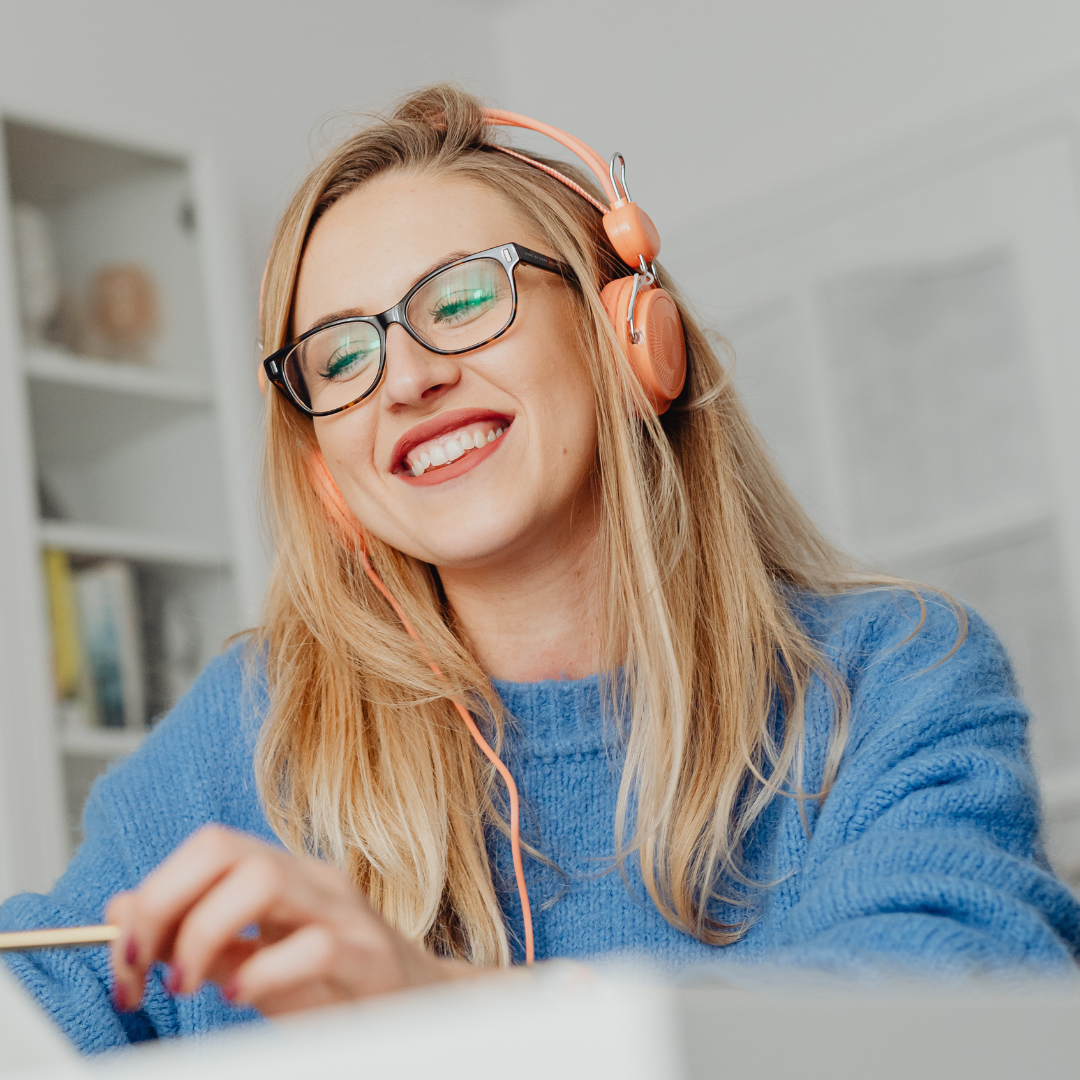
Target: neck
[{"x": 536, "y": 615}]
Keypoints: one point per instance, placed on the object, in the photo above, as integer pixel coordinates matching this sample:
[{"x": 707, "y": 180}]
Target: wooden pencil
[{"x": 61, "y": 937}]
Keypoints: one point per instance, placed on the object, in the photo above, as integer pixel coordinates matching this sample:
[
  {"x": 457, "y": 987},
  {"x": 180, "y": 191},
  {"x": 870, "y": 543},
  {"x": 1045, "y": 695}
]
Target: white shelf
[
  {"x": 54, "y": 366},
  {"x": 100, "y": 742},
  {"x": 79, "y": 539}
]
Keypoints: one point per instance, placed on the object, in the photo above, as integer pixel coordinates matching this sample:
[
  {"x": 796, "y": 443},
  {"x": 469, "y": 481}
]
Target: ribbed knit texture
[{"x": 924, "y": 858}]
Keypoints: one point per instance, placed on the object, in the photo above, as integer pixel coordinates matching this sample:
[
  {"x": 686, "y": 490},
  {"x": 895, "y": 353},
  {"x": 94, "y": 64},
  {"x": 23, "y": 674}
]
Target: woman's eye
[
  {"x": 349, "y": 361},
  {"x": 467, "y": 304}
]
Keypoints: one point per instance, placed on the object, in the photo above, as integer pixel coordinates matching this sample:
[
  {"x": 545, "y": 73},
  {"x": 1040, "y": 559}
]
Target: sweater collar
[{"x": 556, "y": 718}]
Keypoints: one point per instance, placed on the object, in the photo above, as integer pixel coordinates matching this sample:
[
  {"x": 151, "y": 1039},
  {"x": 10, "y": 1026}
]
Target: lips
[{"x": 443, "y": 424}]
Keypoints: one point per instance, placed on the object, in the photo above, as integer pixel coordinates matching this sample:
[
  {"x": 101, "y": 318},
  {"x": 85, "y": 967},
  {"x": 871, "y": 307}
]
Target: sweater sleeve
[
  {"x": 925, "y": 854},
  {"x": 74, "y": 985},
  {"x": 191, "y": 770}
]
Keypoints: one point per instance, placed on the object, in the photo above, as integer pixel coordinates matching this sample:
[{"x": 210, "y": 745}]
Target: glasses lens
[
  {"x": 463, "y": 307},
  {"x": 335, "y": 366}
]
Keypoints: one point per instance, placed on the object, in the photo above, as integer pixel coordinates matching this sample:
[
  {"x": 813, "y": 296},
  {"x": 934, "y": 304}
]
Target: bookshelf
[{"x": 127, "y": 444}]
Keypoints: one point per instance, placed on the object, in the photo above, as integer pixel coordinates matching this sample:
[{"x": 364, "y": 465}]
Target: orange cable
[{"x": 474, "y": 731}]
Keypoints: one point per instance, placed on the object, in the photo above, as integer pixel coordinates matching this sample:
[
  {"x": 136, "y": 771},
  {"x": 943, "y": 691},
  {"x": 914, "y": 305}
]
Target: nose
[{"x": 414, "y": 375}]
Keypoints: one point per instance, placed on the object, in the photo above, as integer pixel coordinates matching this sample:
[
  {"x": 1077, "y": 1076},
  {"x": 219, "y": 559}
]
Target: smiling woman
[{"x": 500, "y": 557}]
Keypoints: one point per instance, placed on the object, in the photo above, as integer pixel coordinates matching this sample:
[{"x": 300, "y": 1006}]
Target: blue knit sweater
[{"x": 925, "y": 856}]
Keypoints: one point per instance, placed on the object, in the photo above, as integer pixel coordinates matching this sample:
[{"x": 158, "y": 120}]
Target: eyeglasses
[{"x": 454, "y": 309}]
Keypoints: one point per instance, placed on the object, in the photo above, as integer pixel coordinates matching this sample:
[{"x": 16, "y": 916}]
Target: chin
[
  {"x": 464, "y": 552},
  {"x": 472, "y": 538}
]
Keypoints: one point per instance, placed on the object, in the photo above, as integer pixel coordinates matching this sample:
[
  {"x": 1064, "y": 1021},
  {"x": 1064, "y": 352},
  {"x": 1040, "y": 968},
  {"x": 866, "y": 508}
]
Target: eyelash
[
  {"x": 335, "y": 366},
  {"x": 459, "y": 305}
]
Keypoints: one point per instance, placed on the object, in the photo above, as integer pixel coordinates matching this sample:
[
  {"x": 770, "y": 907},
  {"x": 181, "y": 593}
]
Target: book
[
  {"x": 111, "y": 641},
  {"x": 63, "y": 623},
  {"x": 172, "y": 636}
]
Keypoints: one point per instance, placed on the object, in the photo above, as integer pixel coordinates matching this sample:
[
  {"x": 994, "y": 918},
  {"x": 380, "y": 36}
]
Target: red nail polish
[
  {"x": 174, "y": 979},
  {"x": 131, "y": 952},
  {"x": 120, "y": 998},
  {"x": 230, "y": 990}
]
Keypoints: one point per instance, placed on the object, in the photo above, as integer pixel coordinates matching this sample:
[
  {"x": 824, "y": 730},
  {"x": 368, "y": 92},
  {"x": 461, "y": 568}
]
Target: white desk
[{"x": 568, "y": 1024}]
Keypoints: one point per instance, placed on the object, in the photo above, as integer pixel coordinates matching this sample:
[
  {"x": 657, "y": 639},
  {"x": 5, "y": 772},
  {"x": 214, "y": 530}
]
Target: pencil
[{"x": 64, "y": 936}]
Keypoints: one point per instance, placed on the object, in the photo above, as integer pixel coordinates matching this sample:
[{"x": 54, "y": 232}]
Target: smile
[
  {"x": 448, "y": 448},
  {"x": 448, "y": 445}
]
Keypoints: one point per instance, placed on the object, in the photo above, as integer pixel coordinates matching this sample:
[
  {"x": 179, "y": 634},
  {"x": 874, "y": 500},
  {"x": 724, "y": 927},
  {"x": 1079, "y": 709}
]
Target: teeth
[{"x": 442, "y": 453}]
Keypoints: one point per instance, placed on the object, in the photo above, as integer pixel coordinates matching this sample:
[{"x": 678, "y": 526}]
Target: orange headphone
[
  {"x": 647, "y": 326},
  {"x": 645, "y": 318}
]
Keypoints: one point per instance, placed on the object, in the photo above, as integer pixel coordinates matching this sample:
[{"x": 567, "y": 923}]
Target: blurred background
[{"x": 876, "y": 204}]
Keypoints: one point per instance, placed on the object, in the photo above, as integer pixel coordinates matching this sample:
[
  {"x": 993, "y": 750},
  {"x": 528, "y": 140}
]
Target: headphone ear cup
[{"x": 659, "y": 356}]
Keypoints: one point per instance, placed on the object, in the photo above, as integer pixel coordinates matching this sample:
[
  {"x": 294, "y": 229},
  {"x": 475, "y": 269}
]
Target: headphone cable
[{"x": 478, "y": 738}]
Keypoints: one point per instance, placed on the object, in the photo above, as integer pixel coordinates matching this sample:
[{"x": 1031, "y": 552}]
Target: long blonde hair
[{"x": 362, "y": 758}]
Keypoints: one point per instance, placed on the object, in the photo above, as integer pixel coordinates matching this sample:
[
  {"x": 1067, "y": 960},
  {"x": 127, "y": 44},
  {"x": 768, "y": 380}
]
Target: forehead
[{"x": 370, "y": 247}]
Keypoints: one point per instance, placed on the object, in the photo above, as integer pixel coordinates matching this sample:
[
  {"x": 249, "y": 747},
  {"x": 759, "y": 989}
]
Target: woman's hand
[{"x": 318, "y": 940}]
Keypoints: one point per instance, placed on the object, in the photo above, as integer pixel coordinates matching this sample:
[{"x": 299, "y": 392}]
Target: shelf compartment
[
  {"x": 51, "y": 166},
  {"x": 121, "y": 462},
  {"x": 110, "y": 205},
  {"x": 96, "y": 540},
  {"x": 56, "y": 366}
]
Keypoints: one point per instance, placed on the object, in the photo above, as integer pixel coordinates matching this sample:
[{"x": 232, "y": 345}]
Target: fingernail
[
  {"x": 174, "y": 979},
  {"x": 230, "y": 990},
  {"x": 120, "y": 998},
  {"x": 131, "y": 952}
]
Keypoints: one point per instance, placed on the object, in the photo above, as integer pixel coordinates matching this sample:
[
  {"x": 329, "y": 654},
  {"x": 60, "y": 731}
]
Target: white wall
[{"x": 716, "y": 102}]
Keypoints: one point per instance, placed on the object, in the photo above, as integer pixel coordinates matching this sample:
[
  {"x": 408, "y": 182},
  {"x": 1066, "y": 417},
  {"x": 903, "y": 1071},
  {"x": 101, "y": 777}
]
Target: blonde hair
[{"x": 362, "y": 758}]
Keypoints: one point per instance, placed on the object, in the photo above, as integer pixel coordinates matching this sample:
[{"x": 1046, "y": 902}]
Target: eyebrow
[{"x": 355, "y": 312}]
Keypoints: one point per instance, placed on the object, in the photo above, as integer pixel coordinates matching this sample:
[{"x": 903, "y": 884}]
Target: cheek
[
  {"x": 348, "y": 446},
  {"x": 565, "y": 386},
  {"x": 577, "y": 451}
]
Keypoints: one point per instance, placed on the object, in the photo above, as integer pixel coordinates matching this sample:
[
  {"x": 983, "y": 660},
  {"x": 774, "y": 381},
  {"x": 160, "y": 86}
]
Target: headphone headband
[
  {"x": 502, "y": 118},
  {"x": 629, "y": 228}
]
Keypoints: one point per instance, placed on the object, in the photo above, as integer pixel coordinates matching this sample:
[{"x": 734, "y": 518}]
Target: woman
[{"x": 728, "y": 746}]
